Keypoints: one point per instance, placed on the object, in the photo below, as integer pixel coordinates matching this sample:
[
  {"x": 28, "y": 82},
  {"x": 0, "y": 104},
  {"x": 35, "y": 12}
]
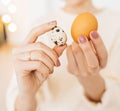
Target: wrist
[
  {"x": 26, "y": 96},
  {"x": 25, "y": 102},
  {"x": 94, "y": 87},
  {"x": 27, "y": 92}
]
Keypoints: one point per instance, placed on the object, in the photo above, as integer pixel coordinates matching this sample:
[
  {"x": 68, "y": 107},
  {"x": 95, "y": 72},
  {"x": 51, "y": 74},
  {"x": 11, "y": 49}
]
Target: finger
[
  {"x": 80, "y": 60},
  {"x": 88, "y": 52},
  {"x": 59, "y": 49},
  {"x": 25, "y": 56},
  {"x": 33, "y": 35},
  {"x": 32, "y": 66},
  {"x": 41, "y": 77},
  {"x": 100, "y": 48},
  {"x": 44, "y": 58},
  {"x": 37, "y": 56},
  {"x": 72, "y": 65},
  {"x": 40, "y": 47}
]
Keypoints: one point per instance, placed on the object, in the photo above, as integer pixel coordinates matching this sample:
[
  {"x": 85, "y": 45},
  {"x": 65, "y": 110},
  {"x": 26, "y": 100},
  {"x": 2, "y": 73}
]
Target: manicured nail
[
  {"x": 52, "y": 22},
  {"x": 82, "y": 39},
  {"x": 58, "y": 63},
  {"x": 94, "y": 35}
]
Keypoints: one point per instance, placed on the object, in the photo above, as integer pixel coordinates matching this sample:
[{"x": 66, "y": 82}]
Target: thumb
[{"x": 59, "y": 49}]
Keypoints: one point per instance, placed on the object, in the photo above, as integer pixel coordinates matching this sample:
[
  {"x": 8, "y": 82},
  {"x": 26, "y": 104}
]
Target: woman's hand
[
  {"x": 34, "y": 61},
  {"x": 85, "y": 60}
]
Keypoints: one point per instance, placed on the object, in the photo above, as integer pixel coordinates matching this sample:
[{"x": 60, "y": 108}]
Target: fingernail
[
  {"x": 58, "y": 63},
  {"x": 94, "y": 35},
  {"x": 52, "y": 22},
  {"x": 82, "y": 39}
]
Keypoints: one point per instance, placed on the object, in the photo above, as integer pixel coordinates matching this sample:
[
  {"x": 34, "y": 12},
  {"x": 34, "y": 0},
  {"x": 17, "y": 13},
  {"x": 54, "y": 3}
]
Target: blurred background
[{"x": 16, "y": 17}]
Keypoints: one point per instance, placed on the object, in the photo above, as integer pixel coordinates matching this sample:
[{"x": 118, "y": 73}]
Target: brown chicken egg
[{"x": 83, "y": 24}]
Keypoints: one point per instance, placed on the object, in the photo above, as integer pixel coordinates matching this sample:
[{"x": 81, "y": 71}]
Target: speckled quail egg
[{"x": 58, "y": 36}]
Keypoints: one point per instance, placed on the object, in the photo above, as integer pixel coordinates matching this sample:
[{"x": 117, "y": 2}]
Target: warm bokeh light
[
  {"x": 12, "y": 27},
  {"x": 12, "y": 8},
  {"x": 5, "y": 2},
  {"x": 6, "y": 18}
]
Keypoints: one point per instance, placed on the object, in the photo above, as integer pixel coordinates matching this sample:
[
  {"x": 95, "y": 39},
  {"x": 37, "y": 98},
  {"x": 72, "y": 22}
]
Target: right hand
[{"x": 32, "y": 72}]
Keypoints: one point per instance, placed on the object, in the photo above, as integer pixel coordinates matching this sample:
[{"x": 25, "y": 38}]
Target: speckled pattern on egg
[{"x": 58, "y": 36}]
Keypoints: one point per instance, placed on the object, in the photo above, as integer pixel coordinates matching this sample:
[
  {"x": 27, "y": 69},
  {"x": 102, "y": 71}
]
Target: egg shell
[
  {"x": 82, "y": 25},
  {"x": 58, "y": 36}
]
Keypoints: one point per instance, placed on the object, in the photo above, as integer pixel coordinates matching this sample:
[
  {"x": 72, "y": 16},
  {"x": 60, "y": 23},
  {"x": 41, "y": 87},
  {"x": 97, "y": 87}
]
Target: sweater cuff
[{"x": 110, "y": 99}]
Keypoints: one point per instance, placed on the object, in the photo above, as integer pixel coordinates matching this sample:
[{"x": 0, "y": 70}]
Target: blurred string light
[
  {"x": 7, "y": 18},
  {"x": 12, "y": 27}
]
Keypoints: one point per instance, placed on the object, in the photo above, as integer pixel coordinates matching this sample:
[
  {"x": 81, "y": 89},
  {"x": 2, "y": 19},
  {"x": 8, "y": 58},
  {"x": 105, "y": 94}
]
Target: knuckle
[
  {"x": 43, "y": 68},
  {"x": 44, "y": 76},
  {"x": 41, "y": 54},
  {"x": 54, "y": 54},
  {"x": 86, "y": 49},
  {"x": 93, "y": 67},
  {"x": 105, "y": 56},
  {"x": 38, "y": 44},
  {"x": 76, "y": 50},
  {"x": 38, "y": 65},
  {"x": 103, "y": 64},
  {"x": 37, "y": 55},
  {"x": 89, "y": 71},
  {"x": 51, "y": 66},
  {"x": 54, "y": 58},
  {"x": 47, "y": 71},
  {"x": 52, "y": 70}
]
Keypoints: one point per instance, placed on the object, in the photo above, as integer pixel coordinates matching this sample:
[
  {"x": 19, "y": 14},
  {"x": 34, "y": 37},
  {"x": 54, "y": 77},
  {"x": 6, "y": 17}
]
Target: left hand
[{"x": 85, "y": 60}]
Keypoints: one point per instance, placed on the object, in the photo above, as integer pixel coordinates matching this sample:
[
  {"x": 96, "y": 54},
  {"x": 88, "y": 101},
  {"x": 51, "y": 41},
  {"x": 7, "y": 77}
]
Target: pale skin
[
  {"x": 87, "y": 58},
  {"x": 32, "y": 73},
  {"x": 94, "y": 59},
  {"x": 85, "y": 63}
]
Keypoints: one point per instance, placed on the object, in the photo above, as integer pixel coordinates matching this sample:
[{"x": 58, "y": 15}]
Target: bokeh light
[
  {"x": 6, "y": 18},
  {"x": 12, "y": 27}
]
